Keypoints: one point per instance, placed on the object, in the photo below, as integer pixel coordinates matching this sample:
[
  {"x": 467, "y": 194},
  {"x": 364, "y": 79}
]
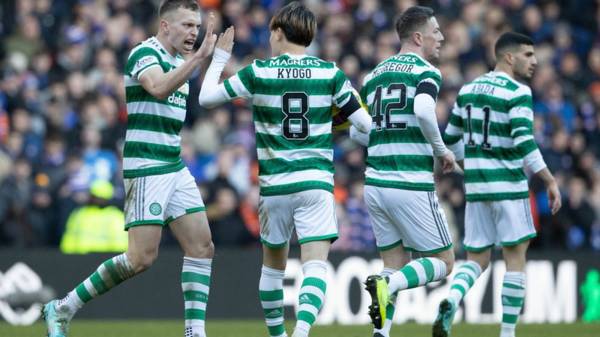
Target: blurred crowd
[{"x": 63, "y": 117}]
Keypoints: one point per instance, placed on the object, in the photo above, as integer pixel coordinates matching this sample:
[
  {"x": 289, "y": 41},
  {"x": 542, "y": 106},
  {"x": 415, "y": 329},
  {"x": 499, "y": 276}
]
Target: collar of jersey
[
  {"x": 162, "y": 48},
  {"x": 501, "y": 73},
  {"x": 419, "y": 56},
  {"x": 295, "y": 56}
]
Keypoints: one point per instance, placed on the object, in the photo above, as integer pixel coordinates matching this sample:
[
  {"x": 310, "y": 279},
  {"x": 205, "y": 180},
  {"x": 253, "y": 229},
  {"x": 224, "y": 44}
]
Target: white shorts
[
  {"x": 489, "y": 223},
  {"x": 311, "y": 212},
  {"x": 409, "y": 218},
  {"x": 160, "y": 199}
]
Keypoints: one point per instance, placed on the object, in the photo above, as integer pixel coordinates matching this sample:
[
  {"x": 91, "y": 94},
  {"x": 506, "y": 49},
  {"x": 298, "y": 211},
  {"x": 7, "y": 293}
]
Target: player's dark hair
[
  {"x": 510, "y": 41},
  {"x": 171, "y": 5},
  {"x": 411, "y": 20},
  {"x": 297, "y": 22}
]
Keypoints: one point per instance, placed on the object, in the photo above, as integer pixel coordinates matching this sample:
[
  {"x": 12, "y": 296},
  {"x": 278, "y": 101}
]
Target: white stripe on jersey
[
  {"x": 295, "y": 177},
  {"x": 401, "y": 176},
  {"x": 410, "y": 92},
  {"x": 140, "y": 163},
  {"x": 268, "y": 153},
  {"x": 495, "y": 141},
  {"x": 522, "y": 128},
  {"x": 521, "y": 112},
  {"x": 400, "y": 149},
  {"x": 276, "y": 129},
  {"x": 453, "y": 130},
  {"x": 239, "y": 87},
  {"x": 156, "y": 109},
  {"x": 522, "y": 139},
  {"x": 152, "y": 137},
  {"x": 274, "y": 101},
  {"x": 496, "y": 187},
  {"x": 495, "y": 116},
  {"x": 488, "y": 164},
  {"x": 410, "y": 120}
]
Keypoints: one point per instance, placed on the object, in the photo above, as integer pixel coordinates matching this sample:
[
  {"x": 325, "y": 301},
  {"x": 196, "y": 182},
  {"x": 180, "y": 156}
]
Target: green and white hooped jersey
[
  {"x": 493, "y": 116},
  {"x": 292, "y": 97},
  {"x": 399, "y": 156},
  {"x": 152, "y": 142}
]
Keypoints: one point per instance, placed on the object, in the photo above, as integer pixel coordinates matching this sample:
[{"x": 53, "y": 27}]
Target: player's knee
[
  {"x": 515, "y": 263},
  {"x": 204, "y": 249},
  {"x": 142, "y": 261},
  {"x": 483, "y": 264},
  {"x": 481, "y": 258},
  {"x": 448, "y": 258},
  {"x": 146, "y": 262},
  {"x": 208, "y": 249},
  {"x": 449, "y": 262},
  {"x": 449, "y": 266}
]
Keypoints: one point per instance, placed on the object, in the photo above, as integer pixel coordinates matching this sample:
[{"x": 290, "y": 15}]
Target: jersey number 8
[{"x": 294, "y": 124}]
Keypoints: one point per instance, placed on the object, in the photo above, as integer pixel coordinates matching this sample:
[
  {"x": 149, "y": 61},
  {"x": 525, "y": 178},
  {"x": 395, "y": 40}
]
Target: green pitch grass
[{"x": 131, "y": 328}]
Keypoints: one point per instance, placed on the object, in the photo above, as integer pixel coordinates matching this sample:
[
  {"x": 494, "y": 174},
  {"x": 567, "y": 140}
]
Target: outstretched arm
[
  {"x": 160, "y": 84},
  {"x": 212, "y": 93}
]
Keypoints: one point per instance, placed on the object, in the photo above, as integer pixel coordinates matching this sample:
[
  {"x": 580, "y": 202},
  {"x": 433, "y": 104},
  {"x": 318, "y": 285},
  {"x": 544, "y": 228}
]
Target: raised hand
[
  {"x": 208, "y": 44},
  {"x": 225, "y": 41}
]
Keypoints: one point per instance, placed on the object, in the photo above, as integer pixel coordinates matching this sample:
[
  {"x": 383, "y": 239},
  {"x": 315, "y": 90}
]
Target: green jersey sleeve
[
  {"x": 432, "y": 76},
  {"x": 342, "y": 91},
  {"x": 454, "y": 130},
  {"x": 242, "y": 83},
  {"x": 521, "y": 123},
  {"x": 140, "y": 61}
]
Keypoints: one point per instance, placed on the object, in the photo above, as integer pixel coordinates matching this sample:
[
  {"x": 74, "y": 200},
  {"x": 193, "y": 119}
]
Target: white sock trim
[
  {"x": 387, "y": 272},
  {"x": 475, "y": 266},
  {"x": 198, "y": 261},
  {"x": 439, "y": 268},
  {"x": 316, "y": 268},
  {"x": 272, "y": 272},
  {"x": 515, "y": 277}
]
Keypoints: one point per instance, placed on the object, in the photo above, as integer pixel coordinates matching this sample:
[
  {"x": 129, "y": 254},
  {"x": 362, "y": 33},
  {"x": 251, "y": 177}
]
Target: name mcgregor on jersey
[{"x": 393, "y": 67}]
